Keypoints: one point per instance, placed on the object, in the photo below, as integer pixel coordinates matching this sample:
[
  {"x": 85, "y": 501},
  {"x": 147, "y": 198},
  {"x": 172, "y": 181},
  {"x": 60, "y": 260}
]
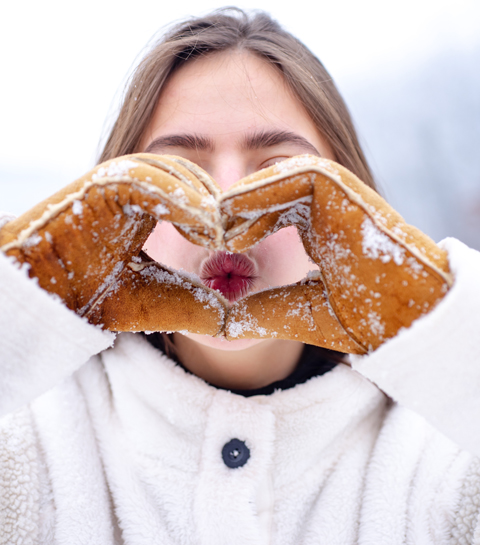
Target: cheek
[
  {"x": 282, "y": 257},
  {"x": 166, "y": 245}
]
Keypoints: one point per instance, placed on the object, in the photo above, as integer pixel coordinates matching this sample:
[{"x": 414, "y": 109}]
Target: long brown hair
[{"x": 258, "y": 33}]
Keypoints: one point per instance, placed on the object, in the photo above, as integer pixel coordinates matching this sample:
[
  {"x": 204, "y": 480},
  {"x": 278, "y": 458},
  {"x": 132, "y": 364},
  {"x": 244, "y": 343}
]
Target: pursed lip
[{"x": 233, "y": 275}]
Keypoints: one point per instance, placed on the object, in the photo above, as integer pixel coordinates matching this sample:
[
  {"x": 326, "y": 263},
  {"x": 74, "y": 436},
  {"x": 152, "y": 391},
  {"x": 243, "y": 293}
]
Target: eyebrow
[
  {"x": 267, "y": 139},
  {"x": 257, "y": 140},
  {"x": 188, "y": 141}
]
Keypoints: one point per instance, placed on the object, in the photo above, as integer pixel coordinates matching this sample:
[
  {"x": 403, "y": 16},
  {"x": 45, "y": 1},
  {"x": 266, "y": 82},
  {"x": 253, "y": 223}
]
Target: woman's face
[{"x": 232, "y": 114}]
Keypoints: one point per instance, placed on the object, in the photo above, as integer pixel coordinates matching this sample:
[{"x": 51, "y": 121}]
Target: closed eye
[{"x": 273, "y": 161}]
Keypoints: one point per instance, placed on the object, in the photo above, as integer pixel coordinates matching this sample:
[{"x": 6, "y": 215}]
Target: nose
[{"x": 227, "y": 170}]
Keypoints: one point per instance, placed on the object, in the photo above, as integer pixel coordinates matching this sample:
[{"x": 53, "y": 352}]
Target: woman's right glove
[{"x": 84, "y": 244}]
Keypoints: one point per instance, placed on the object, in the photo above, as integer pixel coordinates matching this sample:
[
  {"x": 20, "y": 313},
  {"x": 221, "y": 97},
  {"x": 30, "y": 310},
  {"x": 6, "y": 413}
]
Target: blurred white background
[{"x": 410, "y": 72}]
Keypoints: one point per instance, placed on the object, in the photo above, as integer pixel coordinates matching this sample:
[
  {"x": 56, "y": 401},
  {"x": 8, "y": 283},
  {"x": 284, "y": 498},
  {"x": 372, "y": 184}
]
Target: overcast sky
[{"x": 63, "y": 65}]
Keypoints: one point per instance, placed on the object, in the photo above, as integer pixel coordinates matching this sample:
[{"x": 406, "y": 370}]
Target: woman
[{"x": 250, "y": 441}]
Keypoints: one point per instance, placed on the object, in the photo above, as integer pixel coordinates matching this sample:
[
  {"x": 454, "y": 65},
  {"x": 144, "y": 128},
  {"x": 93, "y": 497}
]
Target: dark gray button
[{"x": 235, "y": 453}]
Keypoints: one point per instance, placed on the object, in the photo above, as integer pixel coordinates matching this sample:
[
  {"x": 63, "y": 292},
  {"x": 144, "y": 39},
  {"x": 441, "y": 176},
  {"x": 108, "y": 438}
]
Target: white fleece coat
[{"x": 119, "y": 445}]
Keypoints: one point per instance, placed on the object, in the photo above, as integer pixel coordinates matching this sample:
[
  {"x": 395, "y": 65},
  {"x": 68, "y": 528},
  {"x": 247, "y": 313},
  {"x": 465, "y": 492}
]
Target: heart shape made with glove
[{"x": 376, "y": 275}]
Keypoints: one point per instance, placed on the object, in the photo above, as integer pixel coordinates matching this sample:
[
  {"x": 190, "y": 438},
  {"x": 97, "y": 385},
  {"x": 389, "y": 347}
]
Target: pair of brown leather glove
[{"x": 377, "y": 274}]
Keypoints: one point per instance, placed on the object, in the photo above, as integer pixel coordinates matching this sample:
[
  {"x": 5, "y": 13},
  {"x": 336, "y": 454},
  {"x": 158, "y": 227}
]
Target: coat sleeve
[
  {"x": 433, "y": 367},
  {"x": 41, "y": 340}
]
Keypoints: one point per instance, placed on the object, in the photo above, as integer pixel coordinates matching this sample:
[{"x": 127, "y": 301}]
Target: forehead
[
  {"x": 234, "y": 70},
  {"x": 236, "y": 86}
]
